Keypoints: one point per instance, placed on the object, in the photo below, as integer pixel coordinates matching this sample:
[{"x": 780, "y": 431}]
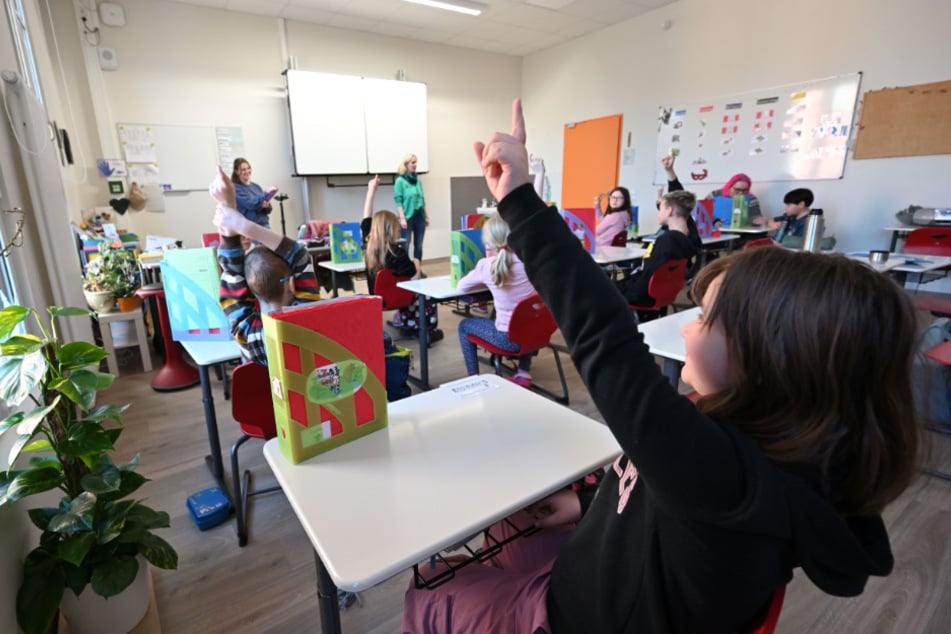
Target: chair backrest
[
  {"x": 531, "y": 325},
  {"x": 619, "y": 240},
  {"x": 210, "y": 240},
  {"x": 393, "y": 296},
  {"x": 666, "y": 282},
  {"x": 759, "y": 242},
  {"x": 251, "y": 403},
  {"x": 768, "y": 626},
  {"x": 929, "y": 241}
]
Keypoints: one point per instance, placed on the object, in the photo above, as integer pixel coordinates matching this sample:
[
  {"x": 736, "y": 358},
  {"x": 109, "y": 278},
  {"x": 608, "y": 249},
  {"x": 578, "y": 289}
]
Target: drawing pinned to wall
[
  {"x": 799, "y": 131},
  {"x": 112, "y": 168},
  {"x": 138, "y": 143}
]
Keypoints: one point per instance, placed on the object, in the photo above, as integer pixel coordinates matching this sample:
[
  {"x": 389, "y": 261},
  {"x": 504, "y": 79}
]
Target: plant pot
[
  {"x": 91, "y": 614},
  {"x": 128, "y": 304},
  {"x": 100, "y": 301}
]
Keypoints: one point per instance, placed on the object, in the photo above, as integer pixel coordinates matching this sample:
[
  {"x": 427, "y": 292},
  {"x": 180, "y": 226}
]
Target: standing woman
[
  {"x": 410, "y": 205},
  {"x": 253, "y": 202}
]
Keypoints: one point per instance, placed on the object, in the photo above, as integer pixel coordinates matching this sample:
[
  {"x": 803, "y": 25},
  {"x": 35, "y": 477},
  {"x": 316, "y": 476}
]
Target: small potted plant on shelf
[
  {"x": 114, "y": 275},
  {"x": 98, "y": 535}
]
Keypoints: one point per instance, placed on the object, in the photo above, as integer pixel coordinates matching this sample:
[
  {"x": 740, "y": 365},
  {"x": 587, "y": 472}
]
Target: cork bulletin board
[{"x": 905, "y": 121}]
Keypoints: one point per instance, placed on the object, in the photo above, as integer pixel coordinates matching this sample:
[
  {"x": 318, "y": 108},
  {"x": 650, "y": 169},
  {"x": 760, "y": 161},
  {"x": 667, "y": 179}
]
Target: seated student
[
  {"x": 786, "y": 460},
  {"x": 793, "y": 221},
  {"x": 674, "y": 243},
  {"x": 383, "y": 249},
  {"x": 504, "y": 275},
  {"x": 738, "y": 185},
  {"x": 616, "y": 218},
  {"x": 277, "y": 273}
]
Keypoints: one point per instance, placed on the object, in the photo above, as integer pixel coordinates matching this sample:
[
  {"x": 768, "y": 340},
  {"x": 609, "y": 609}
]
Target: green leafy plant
[
  {"x": 115, "y": 270},
  {"x": 96, "y": 532}
]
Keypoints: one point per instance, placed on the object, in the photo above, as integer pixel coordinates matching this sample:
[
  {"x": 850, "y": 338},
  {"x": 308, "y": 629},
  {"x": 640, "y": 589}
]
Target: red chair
[
  {"x": 929, "y": 241},
  {"x": 393, "y": 296},
  {"x": 176, "y": 373},
  {"x": 940, "y": 353},
  {"x": 759, "y": 242},
  {"x": 252, "y": 408},
  {"x": 620, "y": 240},
  {"x": 531, "y": 327},
  {"x": 210, "y": 240},
  {"x": 768, "y": 626},
  {"x": 665, "y": 283}
]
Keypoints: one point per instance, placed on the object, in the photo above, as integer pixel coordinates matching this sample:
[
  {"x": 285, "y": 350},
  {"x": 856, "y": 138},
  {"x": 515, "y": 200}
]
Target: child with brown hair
[{"x": 803, "y": 434}]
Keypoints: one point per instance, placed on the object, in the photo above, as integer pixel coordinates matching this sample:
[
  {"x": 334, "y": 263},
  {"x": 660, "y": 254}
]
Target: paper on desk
[{"x": 465, "y": 388}]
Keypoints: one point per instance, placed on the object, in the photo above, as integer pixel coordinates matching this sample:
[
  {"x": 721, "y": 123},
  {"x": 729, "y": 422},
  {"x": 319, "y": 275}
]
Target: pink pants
[{"x": 504, "y": 595}]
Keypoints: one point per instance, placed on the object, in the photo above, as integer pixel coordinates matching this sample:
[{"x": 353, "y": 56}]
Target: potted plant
[
  {"x": 120, "y": 273},
  {"x": 97, "y": 534},
  {"x": 98, "y": 295}
]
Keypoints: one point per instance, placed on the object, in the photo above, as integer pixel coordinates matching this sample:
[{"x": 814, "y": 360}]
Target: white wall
[
  {"x": 224, "y": 69},
  {"x": 732, "y": 46}
]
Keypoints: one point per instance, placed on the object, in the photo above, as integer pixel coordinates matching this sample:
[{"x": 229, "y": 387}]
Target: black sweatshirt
[
  {"x": 700, "y": 534},
  {"x": 669, "y": 245}
]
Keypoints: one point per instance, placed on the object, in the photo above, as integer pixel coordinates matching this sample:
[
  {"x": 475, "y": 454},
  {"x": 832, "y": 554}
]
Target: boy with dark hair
[
  {"x": 793, "y": 222},
  {"x": 276, "y": 273}
]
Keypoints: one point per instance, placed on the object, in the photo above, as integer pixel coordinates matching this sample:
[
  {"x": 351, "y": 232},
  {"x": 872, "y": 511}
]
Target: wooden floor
[{"x": 270, "y": 585}]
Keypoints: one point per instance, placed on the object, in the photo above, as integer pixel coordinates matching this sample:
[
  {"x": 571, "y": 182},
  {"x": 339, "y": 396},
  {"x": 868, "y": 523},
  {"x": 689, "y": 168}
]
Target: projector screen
[{"x": 341, "y": 124}]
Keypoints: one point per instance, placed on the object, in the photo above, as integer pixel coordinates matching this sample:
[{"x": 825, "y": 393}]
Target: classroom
[{"x": 220, "y": 63}]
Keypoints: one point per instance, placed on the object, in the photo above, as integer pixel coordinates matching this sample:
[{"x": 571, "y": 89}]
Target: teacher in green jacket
[{"x": 410, "y": 205}]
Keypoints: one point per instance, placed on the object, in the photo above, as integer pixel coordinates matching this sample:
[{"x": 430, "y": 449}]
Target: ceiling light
[{"x": 459, "y": 6}]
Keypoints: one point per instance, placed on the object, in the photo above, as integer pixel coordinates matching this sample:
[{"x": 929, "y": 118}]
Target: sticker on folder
[
  {"x": 345, "y": 243},
  {"x": 191, "y": 280},
  {"x": 465, "y": 251}
]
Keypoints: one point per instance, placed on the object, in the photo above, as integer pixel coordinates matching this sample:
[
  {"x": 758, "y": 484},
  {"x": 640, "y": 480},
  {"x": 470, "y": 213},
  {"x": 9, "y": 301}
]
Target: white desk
[
  {"x": 904, "y": 263},
  {"x": 438, "y": 289},
  {"x": 451, "y": 462},
  {"x": 663, "y": 338},
  {"x": 205, "y": 354},
  {"x": 613, "y": 255},
  {"x": 899, "y": 232},
  {"x": 347, "y": 269},
  {"x": 708, "y": 241},
  {"x": 751, "y": 230}
]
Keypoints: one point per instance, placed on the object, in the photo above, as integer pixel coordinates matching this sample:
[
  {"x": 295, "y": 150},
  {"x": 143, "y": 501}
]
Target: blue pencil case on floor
[{"x": 208, "y": 507}]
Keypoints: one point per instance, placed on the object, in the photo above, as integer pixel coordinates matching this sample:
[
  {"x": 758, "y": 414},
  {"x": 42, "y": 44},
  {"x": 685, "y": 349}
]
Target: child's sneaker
[
  {"x": 522, "y": 379},
  {"x": 397, "y": 321}
]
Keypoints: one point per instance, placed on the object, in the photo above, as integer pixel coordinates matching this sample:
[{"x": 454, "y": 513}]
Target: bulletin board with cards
[{"x": 793, "y": 132}]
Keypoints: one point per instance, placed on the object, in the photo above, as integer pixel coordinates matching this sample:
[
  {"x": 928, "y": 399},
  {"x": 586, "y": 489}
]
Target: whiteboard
[
  {"x": 793, "y": 132},
  {"x": 327, "y": 129},
  {"x": 395, "y": 124},
  {"x": 185, "y": 156},
  {"x": 342, "y": 124}
]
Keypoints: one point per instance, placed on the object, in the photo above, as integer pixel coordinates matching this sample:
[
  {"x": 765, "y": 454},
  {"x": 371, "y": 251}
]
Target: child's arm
[
  {"x": 538, "y": 169},
  {"x": 371, "y": 193},
  {"x": 598, "y": 213},
  {"x": 476, "y": 277}
]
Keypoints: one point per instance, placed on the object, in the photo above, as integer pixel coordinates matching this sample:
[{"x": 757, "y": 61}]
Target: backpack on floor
[{"x": 397, "y": 369}]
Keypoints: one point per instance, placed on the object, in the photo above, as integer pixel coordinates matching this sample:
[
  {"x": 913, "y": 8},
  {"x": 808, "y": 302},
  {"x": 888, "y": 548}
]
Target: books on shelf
[
  {"x": 327, "y": 373},
  {"x": 191, "y": 279},
  {"x": 345, "y": 242},
  {"x": 465, "y": 251}
]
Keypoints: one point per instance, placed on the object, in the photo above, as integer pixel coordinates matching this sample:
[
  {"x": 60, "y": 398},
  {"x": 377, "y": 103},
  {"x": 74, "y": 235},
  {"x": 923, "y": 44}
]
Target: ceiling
[{"x": 511, "y": 27}]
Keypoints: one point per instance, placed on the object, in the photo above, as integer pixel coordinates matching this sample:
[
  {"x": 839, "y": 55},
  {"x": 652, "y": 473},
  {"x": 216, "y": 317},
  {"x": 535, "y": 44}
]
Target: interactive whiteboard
[{"x": 793, "y": 132}]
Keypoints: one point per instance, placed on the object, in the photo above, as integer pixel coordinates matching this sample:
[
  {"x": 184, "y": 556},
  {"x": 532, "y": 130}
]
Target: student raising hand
[
  {"x": 222, "y": 189},
  {"x": 503, "y": 158}
]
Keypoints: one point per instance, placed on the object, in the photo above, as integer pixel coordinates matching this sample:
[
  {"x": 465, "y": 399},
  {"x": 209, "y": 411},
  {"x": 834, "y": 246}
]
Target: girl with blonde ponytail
[{"x": 504, "y": 275}]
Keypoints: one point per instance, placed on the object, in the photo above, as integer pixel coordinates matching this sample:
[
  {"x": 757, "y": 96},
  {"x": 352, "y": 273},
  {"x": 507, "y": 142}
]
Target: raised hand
[
  {"x": 229, "y": 221},
  {"x": 222, "y": 189},
  {"x": 503, "y": 158},
  {"x": 667, "y": 162}
]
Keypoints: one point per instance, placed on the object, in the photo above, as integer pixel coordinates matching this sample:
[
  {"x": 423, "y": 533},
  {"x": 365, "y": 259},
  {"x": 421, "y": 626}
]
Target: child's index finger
[{"x": 518, "y": 120}]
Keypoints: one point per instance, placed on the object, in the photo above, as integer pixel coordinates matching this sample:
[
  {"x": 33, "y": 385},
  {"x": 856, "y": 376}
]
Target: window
[{"x": 24, "y": 49}]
